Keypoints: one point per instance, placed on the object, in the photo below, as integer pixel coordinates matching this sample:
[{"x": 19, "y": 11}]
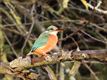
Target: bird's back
[{"x": 43, "y": 38}]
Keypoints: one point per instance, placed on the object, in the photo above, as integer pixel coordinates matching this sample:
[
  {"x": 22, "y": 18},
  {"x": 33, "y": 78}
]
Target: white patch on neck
[{"x": 54, "y": 32}]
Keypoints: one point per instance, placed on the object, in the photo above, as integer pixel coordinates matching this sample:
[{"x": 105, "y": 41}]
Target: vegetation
[{"x": 85, "y": 28}]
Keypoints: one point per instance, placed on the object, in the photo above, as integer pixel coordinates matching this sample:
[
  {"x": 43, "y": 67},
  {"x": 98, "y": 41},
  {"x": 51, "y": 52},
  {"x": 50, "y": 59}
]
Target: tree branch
[{"x": 20, "y": 64}]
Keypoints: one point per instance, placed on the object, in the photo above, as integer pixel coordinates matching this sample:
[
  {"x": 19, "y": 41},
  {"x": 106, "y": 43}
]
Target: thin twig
[
  {"x": 94, "y": 75},
  {"x": 61, "y": 72},
  {"x": 10, "y": 45},
  {"x": 92, "y": 37},
  {"x": 51, "y": 73},
  {"x": 11, "y": 30},
  {"x": 25, "y": 24},
  {"x": 97, "y": 9},
  {"x": 30, "y": 30}
]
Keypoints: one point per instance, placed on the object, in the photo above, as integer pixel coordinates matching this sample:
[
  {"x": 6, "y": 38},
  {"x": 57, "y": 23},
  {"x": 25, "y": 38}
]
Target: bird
[{"x": 45, "y": 42}]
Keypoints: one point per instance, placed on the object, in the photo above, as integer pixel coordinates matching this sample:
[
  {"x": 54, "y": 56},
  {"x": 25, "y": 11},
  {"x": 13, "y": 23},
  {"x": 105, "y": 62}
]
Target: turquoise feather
[{"x": 42, "y": 40}]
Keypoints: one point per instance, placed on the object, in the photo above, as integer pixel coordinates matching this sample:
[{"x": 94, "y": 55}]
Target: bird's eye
[{"x": 51, "y": 28}]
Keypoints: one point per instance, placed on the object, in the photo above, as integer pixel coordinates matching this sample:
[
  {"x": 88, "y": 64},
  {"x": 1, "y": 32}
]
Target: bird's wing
[{"x": 42, "y": 40}]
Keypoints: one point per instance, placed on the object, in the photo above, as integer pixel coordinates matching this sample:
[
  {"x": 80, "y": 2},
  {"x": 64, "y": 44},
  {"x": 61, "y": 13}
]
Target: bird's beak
[{"x": 59, "y": 30}]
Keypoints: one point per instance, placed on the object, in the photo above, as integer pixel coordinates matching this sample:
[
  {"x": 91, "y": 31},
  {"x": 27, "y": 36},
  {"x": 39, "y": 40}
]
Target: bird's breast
[{"x": 51, "y": 43}]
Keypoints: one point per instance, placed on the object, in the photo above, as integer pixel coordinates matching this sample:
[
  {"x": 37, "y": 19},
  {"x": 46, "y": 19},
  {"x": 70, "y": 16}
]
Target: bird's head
[{"x": 53, "y": 30}]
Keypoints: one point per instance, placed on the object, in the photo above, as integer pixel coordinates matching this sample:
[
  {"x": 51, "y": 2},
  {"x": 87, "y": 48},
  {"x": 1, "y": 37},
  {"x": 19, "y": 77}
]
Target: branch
[
  {"x": 20, "y": 64},
  {"x": 97, "y": 8}
]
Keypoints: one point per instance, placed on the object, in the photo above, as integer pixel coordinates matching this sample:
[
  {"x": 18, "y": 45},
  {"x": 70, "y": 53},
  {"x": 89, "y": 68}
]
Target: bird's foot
[{"x": 48, "y": 58}]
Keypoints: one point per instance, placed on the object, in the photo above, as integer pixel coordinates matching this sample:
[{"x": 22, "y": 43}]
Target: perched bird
[{"x": 45, "y": 42}]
